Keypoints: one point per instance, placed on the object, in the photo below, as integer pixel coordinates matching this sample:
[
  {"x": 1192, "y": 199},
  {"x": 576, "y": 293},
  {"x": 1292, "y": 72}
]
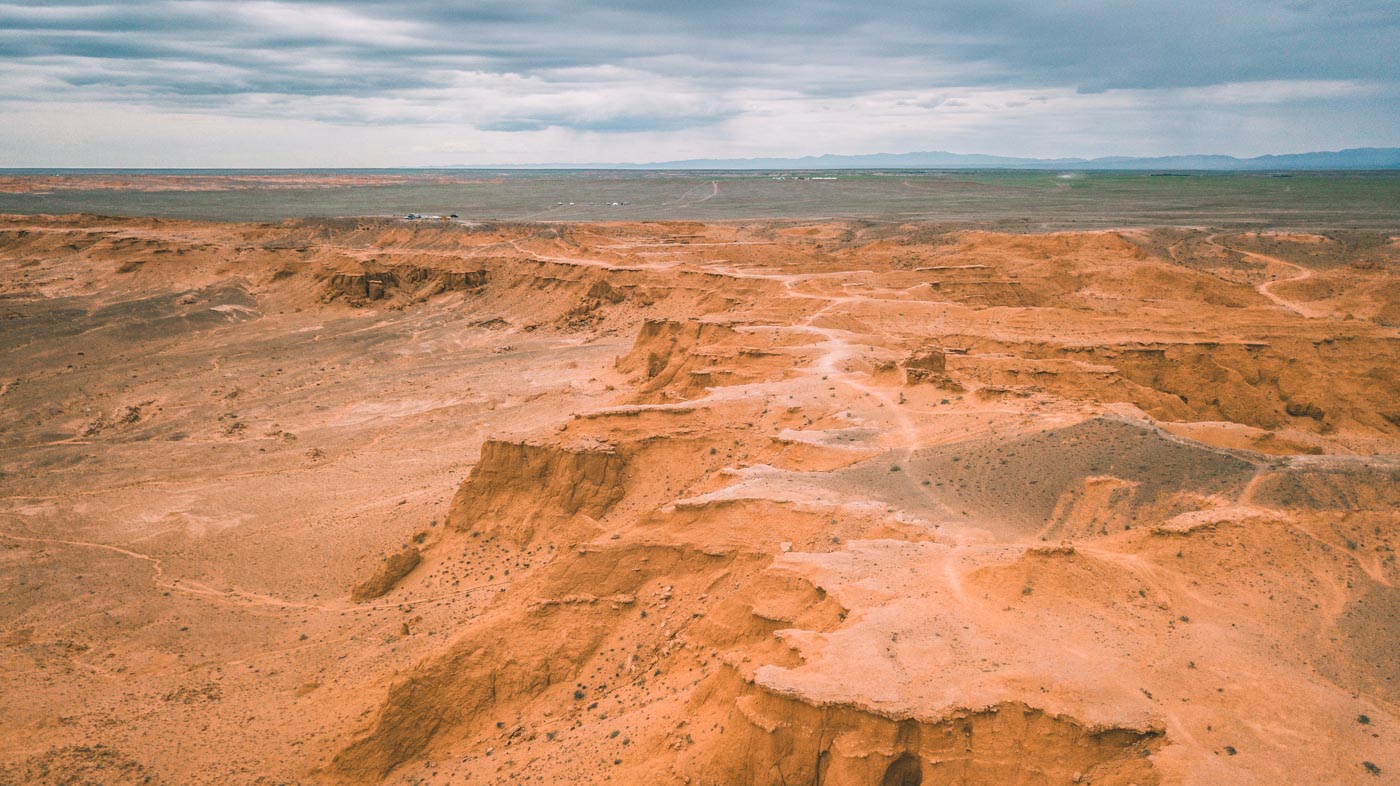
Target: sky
[{"x": 262, "y": 83}]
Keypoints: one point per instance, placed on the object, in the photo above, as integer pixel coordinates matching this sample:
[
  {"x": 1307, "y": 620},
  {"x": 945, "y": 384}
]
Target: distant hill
[{"x": 1354, "y": 159}]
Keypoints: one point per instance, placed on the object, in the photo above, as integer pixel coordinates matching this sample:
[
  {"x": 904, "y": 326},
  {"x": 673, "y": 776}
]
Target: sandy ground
[{"x": 841, "y": 503}]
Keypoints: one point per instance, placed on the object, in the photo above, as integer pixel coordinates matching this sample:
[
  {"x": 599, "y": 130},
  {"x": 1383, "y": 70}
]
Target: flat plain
[{"x": 998, "y": 199}]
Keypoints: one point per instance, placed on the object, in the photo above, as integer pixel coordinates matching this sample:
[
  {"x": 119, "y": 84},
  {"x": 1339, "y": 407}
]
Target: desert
[{"x": 761, "y": 501}]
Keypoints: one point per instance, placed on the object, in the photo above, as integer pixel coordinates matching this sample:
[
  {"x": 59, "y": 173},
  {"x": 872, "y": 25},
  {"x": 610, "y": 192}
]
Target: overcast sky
[{"x": 289, "y": 83}]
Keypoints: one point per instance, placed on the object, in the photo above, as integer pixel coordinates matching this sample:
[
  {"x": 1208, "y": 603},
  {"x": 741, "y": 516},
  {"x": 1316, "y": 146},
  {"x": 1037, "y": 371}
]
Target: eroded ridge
[{"x": 769, "y": 503}]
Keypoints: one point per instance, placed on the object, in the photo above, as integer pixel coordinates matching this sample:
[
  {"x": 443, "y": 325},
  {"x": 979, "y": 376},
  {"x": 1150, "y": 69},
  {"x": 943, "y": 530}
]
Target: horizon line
[{"x": 832, "y": 161}]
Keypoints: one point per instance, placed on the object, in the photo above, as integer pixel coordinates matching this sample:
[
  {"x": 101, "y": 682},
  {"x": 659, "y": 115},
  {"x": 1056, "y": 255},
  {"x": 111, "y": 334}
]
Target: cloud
[{"x": 674, "y": 75}]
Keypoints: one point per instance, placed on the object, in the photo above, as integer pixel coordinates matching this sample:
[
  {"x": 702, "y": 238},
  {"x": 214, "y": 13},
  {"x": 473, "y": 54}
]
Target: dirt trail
[{"x": 1266, "y": 288}]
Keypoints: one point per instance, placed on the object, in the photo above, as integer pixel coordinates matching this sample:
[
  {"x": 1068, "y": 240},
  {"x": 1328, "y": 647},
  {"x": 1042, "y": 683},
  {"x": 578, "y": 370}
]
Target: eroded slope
[{"x": 759, "y": 503}]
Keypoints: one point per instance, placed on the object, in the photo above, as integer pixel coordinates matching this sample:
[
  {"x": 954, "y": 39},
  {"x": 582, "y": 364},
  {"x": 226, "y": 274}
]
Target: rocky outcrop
[
  {"x": 663, "y": 348},
  {"x": 1338, "y": 485},
  {"x": 409, "y": 280},
  {"x": 929, "y": 365},
  {"x": 391, "y": 571},
  {"x": 771, "y": 739},
  {"x": 517, "y": 487},
  {"x": 1261, "y": 384},
  {"x": 1094, "y": 507},
  {"x": 589, "y": 310},
  {"x": 679, "y": 360},
  {"x": 537, "y": 651}
]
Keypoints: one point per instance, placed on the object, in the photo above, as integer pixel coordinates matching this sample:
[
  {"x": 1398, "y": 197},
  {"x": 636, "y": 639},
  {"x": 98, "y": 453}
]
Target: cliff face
[
  {"x": 407, "y": 281},
  {"x": 1266, "y": 384},
  {"x": 517, "y": 488},
  {"x": 772, "y": 739}
]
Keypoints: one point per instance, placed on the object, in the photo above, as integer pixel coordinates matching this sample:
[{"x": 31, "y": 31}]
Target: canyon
[{"x": 359, "y": 501}]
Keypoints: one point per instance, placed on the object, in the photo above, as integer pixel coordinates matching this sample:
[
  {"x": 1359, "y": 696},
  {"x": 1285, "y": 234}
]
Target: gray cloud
[{"x": 623, "y": 67}]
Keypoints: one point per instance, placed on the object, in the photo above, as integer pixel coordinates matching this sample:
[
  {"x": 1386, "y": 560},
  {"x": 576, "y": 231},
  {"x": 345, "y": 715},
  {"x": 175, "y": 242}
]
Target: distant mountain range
[{"x": 1354, "y": 159}]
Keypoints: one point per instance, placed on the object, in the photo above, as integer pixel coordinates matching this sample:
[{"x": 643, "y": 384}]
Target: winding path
[{"x": 1267, "y": 288}]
